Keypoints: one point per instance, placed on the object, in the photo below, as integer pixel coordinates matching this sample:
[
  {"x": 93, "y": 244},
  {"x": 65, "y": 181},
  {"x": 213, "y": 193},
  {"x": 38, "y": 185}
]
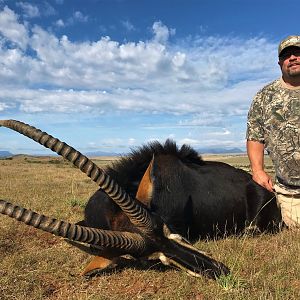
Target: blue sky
[{"x": 110, "y": 75}]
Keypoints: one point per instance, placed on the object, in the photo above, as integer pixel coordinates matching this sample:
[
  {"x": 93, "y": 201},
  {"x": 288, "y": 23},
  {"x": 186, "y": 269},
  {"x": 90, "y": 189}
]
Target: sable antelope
[
  {"x": 146, "y": 233},
  {"x": 195, "y": 198}
]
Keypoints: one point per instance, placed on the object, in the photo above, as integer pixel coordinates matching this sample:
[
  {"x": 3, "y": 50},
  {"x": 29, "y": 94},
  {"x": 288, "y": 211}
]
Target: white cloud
[
  {"x": 33, "y": 11},
  {"x": 207, "y": 118},
  {"x": 112, "y": 142},
  {"x": 3, "y": 106},
  {"x": 179, "y": 59},
  {"x": 47, "y": 10},
  {"x": 60, "y": 23},
  {"x": 189, "y": 141},
  {"x": 204, "y": 82},
  {"x": 161, "y": 32},
  {"x": 131, "y": 141},
  {"x": 128, "y": 25},
  {"x": 79, "y": 16},
  {"x": 30, "y": 11},
  {"x": 12, "y": 30},
  {"x": 222, "y": 133}
]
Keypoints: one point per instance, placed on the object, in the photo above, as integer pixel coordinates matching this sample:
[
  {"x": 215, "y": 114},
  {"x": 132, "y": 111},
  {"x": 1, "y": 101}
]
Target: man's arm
[{"x": 255, "y": 152}]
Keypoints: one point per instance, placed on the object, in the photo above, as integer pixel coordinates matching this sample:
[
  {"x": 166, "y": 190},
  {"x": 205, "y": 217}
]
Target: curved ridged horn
[
  {"x": 131, "y": 207},
  {"x": 125, "y": 241}
]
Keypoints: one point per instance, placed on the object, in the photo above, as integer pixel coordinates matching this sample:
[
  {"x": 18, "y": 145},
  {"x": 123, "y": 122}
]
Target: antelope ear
[
  {"x": 99, "y": 263},
  {"x": 145, "y": 189}
]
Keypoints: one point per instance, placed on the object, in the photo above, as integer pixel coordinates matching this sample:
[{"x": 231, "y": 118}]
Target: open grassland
[{"x": 37, "y": 265}]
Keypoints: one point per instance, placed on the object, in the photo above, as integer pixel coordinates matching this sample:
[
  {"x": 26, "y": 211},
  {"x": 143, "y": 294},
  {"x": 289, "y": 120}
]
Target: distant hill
[
  {"x": 212, "y": 150},
  {"x": 5, "y": 154},
  {"x": 101, "y": 153}
]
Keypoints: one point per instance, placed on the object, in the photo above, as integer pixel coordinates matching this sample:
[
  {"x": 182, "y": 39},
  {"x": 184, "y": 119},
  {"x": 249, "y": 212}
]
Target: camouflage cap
[{"x": 292, "y": 40}]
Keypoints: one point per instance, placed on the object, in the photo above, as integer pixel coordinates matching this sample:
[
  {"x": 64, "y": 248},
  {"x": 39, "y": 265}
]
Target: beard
[{"x": 293, "y": 71}]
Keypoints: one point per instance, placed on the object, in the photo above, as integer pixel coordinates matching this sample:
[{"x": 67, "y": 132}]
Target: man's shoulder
[
  {"x": 273, "y": 86},
  {"x": 267, "y": 93}
]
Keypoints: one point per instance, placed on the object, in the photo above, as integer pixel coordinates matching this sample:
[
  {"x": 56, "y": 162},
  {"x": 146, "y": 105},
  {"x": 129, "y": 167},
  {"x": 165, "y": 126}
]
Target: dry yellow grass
[{"x": 37, "y": 265}]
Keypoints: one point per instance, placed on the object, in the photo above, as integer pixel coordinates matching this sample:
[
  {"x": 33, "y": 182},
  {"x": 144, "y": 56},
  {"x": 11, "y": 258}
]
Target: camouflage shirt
[{"x": 274, "y": 119}]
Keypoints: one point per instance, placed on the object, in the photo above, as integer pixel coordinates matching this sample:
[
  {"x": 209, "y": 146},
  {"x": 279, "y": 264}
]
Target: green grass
[{"x": 38, "y": 265}]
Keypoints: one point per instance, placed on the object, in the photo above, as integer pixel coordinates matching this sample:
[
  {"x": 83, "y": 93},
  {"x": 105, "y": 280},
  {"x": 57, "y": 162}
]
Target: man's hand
[
  {"x": 255, "y": 152},
  {"x": 262, "y": 178}
]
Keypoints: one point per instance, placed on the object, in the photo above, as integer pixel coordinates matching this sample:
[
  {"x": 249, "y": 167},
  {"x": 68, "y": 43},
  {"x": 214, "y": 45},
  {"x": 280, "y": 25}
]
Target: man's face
[{"x": 289, "y": 61}]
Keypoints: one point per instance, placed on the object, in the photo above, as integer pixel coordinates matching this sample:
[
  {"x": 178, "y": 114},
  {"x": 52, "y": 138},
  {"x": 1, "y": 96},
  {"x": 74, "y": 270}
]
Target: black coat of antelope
[{"x": 155, "y": 201}]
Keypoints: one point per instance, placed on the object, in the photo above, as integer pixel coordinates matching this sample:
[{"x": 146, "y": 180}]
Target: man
[{"x": 274, "y": 124}]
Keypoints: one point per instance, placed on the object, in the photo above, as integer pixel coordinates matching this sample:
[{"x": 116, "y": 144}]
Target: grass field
[{"x": 37, "y": 265}]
